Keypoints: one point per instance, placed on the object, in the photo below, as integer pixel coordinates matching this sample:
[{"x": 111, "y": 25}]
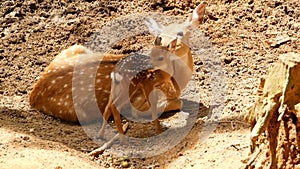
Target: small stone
[
  {"x": 110, "y": 159},
  {"x": 228, "y": 60},
  {"x": 280, "y": 41},
  {"x": 125, "y": 164},
  {"x": 26, "y": 138},
  {"x": 242, "y": 36}
]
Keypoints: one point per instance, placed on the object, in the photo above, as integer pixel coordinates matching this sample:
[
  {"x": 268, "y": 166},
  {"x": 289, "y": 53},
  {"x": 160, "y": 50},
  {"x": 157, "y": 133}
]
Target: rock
[{"x": 125, "y": 164}]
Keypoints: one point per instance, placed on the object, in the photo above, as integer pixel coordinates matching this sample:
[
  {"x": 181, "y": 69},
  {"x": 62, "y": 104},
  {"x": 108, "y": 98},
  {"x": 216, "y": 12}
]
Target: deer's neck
[{"x": 184, "y": 52}]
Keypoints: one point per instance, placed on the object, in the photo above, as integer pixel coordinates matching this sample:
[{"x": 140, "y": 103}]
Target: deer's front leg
[
  {"x": 153, "y": 101},
  {"x": 106, "y": 115},
  {"x": 117, "y": 118}
]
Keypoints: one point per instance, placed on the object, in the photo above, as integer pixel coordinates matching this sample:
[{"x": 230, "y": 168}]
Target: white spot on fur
[
  {"x": 65, "y": 85},
  {"x": 118, "y": 77}
]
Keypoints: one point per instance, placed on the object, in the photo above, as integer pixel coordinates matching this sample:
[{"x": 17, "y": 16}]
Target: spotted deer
[
  {"x": 149, "y": 73},
  {"x": 136, "y": 75},
  {"x": 56, "y": 94},
  {"x": 52, "y": 94}
]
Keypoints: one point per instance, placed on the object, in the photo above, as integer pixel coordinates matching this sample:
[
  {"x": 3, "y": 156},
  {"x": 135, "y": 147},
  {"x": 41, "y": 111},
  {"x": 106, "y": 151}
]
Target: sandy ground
[{"x": 32, "y": 33}]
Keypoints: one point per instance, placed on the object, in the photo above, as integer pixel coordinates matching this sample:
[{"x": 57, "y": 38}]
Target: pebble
[
  {"x": 110, "y": 159},
  {"x": 26, "y": 138},
  {"x": 125, "y": 164}
]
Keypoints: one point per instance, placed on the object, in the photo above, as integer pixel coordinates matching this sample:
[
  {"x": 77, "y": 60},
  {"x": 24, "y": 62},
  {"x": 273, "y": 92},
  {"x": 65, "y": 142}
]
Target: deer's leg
[
  {"x": 106, "y": 115},
  {"x": 117, "y": 118},
  {"x": 119, "y": 99},
  {"x": 153, "y": 101}
]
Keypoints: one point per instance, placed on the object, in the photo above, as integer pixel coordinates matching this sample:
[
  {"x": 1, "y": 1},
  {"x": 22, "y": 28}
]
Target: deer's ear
[
  {"x": 154, "y": 28},
  {"x": 172, "y": 45},
  {"x": 196, "y": 17},
  {"x": 186, "y": 38}
]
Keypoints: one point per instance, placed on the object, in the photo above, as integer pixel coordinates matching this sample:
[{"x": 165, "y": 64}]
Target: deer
[
  {"x": 52, "y": 93},
  {"x": 55, "y": 92},
  {"x": 151, "y": 72}
]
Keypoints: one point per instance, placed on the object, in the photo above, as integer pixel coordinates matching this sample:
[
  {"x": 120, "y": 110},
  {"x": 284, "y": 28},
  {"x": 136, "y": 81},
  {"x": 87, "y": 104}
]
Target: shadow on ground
[{"x": 36, "y": 124}]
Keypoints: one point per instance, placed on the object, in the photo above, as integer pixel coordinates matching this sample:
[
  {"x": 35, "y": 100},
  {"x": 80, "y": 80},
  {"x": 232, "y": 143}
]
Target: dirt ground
[{"x": 33, "y": 32}]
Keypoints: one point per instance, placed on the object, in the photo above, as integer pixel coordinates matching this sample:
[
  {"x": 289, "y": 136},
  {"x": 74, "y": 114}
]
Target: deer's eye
[
  {"x": 157, "y": 41},
  {"x": 180, "y": 33},
  {"x": 160, "y": 58}
]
